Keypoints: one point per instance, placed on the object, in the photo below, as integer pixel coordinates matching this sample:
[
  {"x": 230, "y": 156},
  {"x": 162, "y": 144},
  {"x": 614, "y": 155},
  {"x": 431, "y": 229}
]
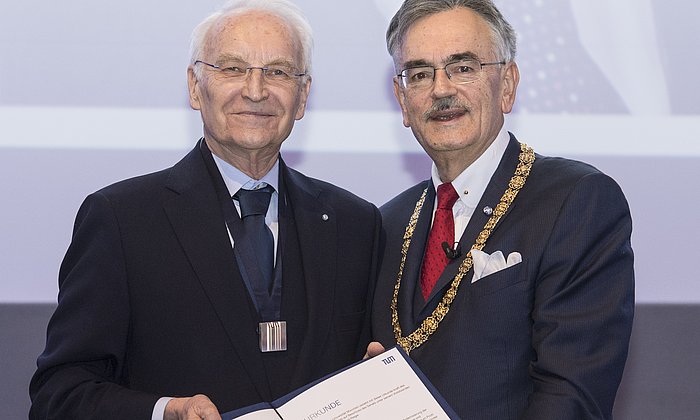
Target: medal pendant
[{"x": 273, "y": 336}]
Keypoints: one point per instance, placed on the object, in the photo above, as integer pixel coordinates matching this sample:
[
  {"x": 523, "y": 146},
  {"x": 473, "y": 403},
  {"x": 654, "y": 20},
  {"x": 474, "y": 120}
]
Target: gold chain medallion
[{"x": 431, "y": 323}]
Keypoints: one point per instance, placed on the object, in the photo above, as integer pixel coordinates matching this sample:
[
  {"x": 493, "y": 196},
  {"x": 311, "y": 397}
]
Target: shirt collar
[
  {"x": 472, "y": 182},
  {"x": 235, "y": 179}
]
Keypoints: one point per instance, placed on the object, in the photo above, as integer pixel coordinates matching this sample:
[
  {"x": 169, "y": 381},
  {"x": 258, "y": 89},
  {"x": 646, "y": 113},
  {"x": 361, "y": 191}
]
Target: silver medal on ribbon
[{"x": 273, "y": 336}]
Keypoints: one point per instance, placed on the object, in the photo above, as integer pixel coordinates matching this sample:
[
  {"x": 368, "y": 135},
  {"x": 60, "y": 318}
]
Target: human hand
[
  {"x": 374, "y": 348},
  {"x": 198, "y": 407}
]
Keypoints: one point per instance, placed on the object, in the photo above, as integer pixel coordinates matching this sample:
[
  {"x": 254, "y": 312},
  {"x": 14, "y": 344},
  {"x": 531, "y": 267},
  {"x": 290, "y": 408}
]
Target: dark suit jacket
[
  {"x": 152, "y": 304},
  {"x": 546, "y": 338}
]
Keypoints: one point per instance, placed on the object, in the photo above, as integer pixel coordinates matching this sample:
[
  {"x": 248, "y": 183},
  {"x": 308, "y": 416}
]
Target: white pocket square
[{"x": 485, "y": 264}]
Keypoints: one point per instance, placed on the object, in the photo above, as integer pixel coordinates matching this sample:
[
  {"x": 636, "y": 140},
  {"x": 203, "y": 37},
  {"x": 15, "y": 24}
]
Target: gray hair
[
  {"x": 290, "y": 13},
  {"x": 412, "y": 10}
]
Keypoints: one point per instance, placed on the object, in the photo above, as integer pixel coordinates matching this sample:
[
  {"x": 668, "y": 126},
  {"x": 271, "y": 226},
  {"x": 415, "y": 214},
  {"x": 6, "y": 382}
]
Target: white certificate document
[{"x": 387, "y": 386}]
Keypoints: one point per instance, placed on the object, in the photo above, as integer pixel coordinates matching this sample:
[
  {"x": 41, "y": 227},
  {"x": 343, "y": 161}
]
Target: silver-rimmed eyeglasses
[
  {"x": 274, "y": 73},
  {"x": 459, "y": 72}
]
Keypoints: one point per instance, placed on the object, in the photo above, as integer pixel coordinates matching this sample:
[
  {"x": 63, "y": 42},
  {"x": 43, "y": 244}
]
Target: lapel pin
[
  {"x": 488, "y": 211},
  {"x": 324, "y": 217}
]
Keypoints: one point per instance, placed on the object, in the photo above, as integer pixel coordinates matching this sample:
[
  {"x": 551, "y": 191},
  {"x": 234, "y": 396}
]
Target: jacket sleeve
[
  {"x": 81, "y": 373},
  {"x": 583, "y": 305},
  {"x": 366, "y": 335}
]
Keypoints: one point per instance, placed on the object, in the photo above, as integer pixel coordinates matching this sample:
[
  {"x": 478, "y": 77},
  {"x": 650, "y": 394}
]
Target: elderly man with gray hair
[
  {"x": 507, "y": 275},
  {"x": 228, "y": 279}
]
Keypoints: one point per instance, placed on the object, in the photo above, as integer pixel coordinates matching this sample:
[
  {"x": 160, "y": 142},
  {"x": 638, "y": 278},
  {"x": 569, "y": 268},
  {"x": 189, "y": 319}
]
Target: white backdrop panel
[{"x": 93, "y": 92}]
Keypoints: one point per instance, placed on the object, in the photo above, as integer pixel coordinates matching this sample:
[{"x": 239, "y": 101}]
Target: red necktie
[{"x": 443, "y": 230}]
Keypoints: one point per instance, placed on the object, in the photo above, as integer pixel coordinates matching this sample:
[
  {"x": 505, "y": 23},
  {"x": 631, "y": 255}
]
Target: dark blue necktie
[{"x": 253, "y": 204}]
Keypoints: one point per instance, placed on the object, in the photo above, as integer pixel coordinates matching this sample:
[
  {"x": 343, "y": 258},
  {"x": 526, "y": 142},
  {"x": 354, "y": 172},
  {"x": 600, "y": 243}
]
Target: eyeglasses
[
  {"x": 459, "y": 72},
  {"x": 273, "y": 73}
]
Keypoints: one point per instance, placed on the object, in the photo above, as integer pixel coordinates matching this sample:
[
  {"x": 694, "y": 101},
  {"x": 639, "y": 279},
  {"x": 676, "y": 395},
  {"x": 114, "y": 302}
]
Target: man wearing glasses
[
  {"x": 507, "y": 276},
  {"x": 228, "y": 279}
]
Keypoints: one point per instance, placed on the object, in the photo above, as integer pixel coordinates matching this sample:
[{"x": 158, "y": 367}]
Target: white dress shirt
[
  {"x": 235, "y": 180},
  {"x": 472, "y": 182}
]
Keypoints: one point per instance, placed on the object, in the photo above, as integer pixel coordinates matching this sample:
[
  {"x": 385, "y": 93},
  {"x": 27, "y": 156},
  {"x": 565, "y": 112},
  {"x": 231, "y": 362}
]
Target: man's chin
[{"x": 445, "y": 142}]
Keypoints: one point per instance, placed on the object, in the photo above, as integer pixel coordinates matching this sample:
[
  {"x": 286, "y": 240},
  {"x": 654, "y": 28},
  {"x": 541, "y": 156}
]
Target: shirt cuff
[{"x": 159, "y": 409}]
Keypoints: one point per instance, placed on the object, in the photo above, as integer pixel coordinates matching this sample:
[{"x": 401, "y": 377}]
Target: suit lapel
[
  {"x": 491, "y": 197},
  {"x": 198, "y": 222},
  {"x": 414, "y": 259},
  {"x": 318, "y": 241}
]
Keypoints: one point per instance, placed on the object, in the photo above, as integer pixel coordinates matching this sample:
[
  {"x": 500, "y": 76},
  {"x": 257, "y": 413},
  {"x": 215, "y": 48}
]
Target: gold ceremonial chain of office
[{"x": 431, "y": 323}]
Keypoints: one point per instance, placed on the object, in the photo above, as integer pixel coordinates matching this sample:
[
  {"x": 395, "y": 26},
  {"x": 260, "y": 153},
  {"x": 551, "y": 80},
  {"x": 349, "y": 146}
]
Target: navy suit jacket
[
  {"x": 152, "y": 303},
  {"x": 544, "y": 339}
]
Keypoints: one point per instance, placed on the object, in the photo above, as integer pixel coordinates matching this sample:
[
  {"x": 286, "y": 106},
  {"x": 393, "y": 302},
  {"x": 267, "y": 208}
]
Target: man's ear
[
  {"x": 305, "y": 89},
  {"x": 509, "y": 86},
  {"x": 193, "y": 88},
  {"x": 401, "y": 98}
]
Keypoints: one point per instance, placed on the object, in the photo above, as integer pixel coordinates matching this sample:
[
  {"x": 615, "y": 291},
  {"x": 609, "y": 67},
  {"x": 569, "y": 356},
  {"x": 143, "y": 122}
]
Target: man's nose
[
  {"x": 255, "y": 87},
  {"x": 442, "y": 85}
]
